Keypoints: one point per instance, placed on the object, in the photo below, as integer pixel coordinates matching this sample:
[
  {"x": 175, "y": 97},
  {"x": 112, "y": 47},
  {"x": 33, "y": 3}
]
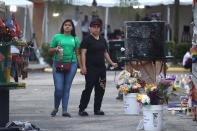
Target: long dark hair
[{"x": 72, "y": 31}]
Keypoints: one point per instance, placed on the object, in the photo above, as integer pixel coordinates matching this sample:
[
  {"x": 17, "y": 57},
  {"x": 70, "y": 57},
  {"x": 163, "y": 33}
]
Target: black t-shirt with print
[{"x": 95, "y": 51}]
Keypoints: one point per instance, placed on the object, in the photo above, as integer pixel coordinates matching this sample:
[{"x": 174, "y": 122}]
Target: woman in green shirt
[{"x": 67, "y": 41}]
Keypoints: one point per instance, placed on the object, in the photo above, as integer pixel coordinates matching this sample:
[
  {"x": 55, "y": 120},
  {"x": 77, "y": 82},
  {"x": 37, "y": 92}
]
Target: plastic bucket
[
  {"x": 131, "y": 106},
  {"x": 153, "y": 117}
]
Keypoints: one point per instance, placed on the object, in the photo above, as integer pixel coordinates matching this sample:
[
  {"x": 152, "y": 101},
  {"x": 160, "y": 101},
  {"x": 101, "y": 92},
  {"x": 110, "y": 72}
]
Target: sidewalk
[
  {"x": 35, "y": 103},
  {"x": 46, "y": 68},
  {"x": 36, "y": 67}
]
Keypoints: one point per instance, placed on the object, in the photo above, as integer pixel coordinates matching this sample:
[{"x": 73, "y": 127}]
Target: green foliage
[
  {"x": 44, "y": 53},
  {"x": 124, "y": 11},
  {"x": 177, "y": 50},
  {"x": 126, "y": 3},
  {"x": 138, "y": 13},
  {"x": 58, "y": 6}
]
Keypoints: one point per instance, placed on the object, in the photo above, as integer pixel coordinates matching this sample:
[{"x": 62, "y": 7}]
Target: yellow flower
[
  {"x": 149, "y": 86},
  {"x": 127, "y": 89},
  {"x": 139, "y": 96},
  {"x": 175, "y": 87}
]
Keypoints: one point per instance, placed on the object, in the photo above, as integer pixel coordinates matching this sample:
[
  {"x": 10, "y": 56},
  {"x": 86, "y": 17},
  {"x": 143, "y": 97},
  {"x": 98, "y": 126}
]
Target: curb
[
  {"x": 177, "y": 69},
  {"x": 170, "y": 69}
]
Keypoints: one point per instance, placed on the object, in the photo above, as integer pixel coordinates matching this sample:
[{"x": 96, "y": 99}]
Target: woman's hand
[
  {"x": 57, "y": 48},
  {"x": 115, "y": 65},
  {"x": 51, "y": 51},
  {"x": 83, "y": 70}
]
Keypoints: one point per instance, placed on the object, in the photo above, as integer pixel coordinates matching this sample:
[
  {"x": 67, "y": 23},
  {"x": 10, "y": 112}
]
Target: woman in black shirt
[{"x": 93, "y": 54}]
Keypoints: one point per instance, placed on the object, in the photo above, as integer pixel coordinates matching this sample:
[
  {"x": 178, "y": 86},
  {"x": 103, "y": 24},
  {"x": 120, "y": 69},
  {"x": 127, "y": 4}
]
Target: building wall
[
  {"x": 2, "y": 10},
  {"x": 185, "y": 16},
  {"x": 185, "y": 19},
  {"x": 20, "y": 14},
  {"x": 117, "y": 16}
]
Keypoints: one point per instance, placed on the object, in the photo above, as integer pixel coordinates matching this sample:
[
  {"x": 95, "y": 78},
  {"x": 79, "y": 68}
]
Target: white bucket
[
  {"x": 131, "y": 106},
  {"x": 153, "y": 117}
]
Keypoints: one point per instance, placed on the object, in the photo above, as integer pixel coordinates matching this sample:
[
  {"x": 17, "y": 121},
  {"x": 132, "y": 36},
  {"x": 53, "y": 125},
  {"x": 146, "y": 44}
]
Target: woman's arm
[
  {"x": 83, "y": 61},
  {"x": 106, "y": 54},
  {"x": 51, "y": 51},
  {"x": 77, "y": 50}
]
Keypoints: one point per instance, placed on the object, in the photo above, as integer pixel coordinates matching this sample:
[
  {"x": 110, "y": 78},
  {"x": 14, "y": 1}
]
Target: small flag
[{"x": 10, "y": 22}]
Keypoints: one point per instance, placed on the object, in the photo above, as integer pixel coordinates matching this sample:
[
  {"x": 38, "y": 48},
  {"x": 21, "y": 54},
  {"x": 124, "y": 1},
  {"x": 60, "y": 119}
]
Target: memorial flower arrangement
[
  {"x": 130, "y": 82},
  {"x": 143, "y": 99},
  {"x": 194, "y": 54},
  {"x": 156, "y": 94}
]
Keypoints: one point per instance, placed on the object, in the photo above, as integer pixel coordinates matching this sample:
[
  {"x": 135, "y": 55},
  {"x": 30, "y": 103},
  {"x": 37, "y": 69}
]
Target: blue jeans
[{"x": 62, "y": 83}]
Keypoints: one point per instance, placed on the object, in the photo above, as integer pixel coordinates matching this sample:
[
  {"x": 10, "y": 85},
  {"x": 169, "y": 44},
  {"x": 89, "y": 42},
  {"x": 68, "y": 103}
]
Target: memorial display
[{"x": 144, "y": 40}]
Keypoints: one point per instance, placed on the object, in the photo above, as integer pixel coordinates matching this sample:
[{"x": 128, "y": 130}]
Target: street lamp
[
  {"x": 135, "y": 6},
  {"x": 56, "y": 14},
  {"x": 138, "y": 6},
  {"x": 141, "y": 6}
]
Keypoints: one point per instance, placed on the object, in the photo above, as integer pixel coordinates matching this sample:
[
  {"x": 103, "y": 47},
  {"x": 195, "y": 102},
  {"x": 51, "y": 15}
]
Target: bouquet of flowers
[
  {"x": 143, "y": 99},
  {"x": 156, "y": 94},
  {"x": 182, "y": 86},
  {"x": 130, "y": 82}
]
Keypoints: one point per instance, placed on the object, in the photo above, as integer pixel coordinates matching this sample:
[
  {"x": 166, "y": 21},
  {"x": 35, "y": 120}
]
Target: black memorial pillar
[{"x": 4, "y": 107}]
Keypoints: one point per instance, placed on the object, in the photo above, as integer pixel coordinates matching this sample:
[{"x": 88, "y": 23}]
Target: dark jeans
[
  {"x": 16, "y": 78},
  {"x": 188, "y": 64},
  {"x": 95, "y": 77}
]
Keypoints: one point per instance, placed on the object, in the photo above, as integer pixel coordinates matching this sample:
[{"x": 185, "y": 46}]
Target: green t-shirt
[{"x": 68, "y": 45}]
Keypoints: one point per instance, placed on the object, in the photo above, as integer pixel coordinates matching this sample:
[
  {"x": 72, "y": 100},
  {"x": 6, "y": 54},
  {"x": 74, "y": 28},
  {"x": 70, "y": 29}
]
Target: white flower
[
  {"x": 145, "y": 99},
  {"x": 122, "y": 76},
  {"x": 127, "y": 74},
  {"x": 153, "y": 88},
  {"x": 122, "y": 49},
  {"x": 139, "y": 74}
]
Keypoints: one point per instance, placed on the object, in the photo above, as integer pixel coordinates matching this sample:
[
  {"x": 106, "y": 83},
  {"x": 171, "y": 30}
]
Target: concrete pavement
[
  {"x": 46, "y": 68},
  {"x": 35, "y": 103}
]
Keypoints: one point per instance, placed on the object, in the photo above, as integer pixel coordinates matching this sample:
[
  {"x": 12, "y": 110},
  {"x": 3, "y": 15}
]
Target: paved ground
[{"x": 35, "y": 103}]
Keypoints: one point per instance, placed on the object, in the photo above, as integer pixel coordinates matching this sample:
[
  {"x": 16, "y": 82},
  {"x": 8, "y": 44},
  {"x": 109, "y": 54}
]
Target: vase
[
  {"x": 131, "y": 106},
  {"x": 153, "y": 117}
]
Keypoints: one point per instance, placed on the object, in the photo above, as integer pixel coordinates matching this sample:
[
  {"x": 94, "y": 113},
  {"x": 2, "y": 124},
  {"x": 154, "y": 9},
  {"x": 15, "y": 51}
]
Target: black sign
[{"x": 144, "y": 40}]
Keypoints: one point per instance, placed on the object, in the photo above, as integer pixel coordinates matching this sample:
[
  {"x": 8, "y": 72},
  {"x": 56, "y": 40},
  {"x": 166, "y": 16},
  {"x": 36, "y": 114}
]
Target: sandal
[
  {"x": 53, "y": 113},
  {"x": 66, "y": 114}
]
